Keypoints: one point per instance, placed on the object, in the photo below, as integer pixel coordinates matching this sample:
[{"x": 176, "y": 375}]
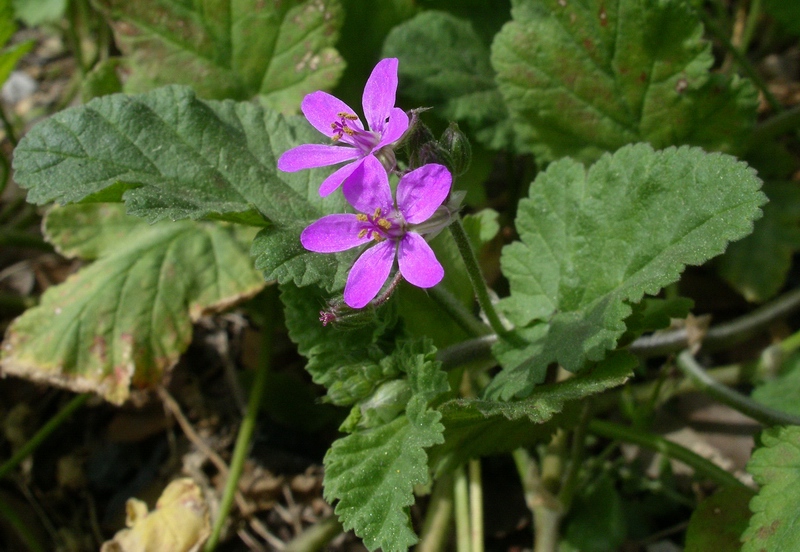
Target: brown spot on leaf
[
  {"x": 643, "y": 77},
  {"x": 587, "y": 43},
  {"x": 766, "y": 532},
  {"x": 99, "y": 348},
  {"x": 603, "y": 16},
  {"x": 681, "y": 85}
]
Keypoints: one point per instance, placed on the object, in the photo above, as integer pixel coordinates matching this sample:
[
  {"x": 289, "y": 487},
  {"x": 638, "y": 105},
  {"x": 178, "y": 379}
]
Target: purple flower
[
  {"x": 336, "y": 120},
  {"x": 395, "y": 229}
]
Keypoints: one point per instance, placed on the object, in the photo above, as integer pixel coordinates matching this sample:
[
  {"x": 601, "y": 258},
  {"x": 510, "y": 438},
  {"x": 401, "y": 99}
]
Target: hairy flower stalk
[
  {"x": 392, "y": 229},
  {"x": 352, "y": 143}
]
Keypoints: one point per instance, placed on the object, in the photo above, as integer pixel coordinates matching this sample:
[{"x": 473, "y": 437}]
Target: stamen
[
  {"x": 377, "y": 212},
  {"x": 383, "y": 223},
  {"x": 362, "y": 233},
  {"x": 345, "y": 115},
  {"x": 361, "y": 217}
]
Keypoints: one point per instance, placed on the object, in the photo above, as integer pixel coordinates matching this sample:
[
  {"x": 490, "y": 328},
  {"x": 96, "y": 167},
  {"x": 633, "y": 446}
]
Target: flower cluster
[{"x": 392, "y": 226}]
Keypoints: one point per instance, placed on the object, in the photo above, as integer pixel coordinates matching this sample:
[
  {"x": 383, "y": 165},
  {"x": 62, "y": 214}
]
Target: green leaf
[
  {"x": 168, "y": 154},
  {"x": 421, "y": 314},
  {"x": 786, "y": 13},
  {"x": 102, "y": 80},
  {"x": 596, "y": 520},
  {"x": 757, "y": 266},
  {"x": 652, "y": 314},
  {"x": 444, "y": 62},
  {"x": 372, "y": 472},
  {"x": 594, "y": 240},
  {"x": 36, "y": 12},
  {"x": 125, "y": 319},
  {"x": 479, "y": 427},
  {"x": 781, "y": 393},
  {"x": 776, "y": 467},
  {"x": 349, "y": 361},
  {"x": 582, "y": 78},
  {"x": 719, "y": 521},
  {"x": 276, "y": 51}
]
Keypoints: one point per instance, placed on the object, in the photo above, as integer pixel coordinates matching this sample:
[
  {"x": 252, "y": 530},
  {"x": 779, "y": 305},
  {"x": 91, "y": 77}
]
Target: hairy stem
[
  {"x": 722, "y": 335},
  {"x": 728, "y": 396},
  {"x": 456, "y": 310},
  {"x": 476, "y": 505},
  {"x": 476, "y": 276},
  {"x": 701, "y": 466},
  {"x": 461, "y": 499},
  {"x": 436, "y": 528}
]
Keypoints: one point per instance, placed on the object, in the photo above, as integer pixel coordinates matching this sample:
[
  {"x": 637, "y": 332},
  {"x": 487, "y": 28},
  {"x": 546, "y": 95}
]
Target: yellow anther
[
  {"x": 383, "y": 223},
  {"x": 349, "y": 131},
  {"x": 377, "y": 237},
  {"x": 345, "y": 115},
  {"x": 377, "y": 212},
  {"x": 361, "y": 217},
  {"x": 362, "y": 233}
]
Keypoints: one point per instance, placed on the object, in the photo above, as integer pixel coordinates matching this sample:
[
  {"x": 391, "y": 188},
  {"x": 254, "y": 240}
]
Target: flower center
[
  {"x": 379, "y": 227},
  {"x": 364, "y": 140}
]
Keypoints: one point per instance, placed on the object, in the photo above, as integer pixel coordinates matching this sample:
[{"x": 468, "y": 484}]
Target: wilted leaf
[
  {"x": 179, "y": 522},
  {"x": 125, "y": 319}
]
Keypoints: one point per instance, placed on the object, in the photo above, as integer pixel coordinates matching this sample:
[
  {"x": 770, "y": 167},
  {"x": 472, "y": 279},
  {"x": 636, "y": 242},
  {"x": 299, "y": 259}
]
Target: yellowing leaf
[
  {"x": 125, "y": 319},
  {"x": 179, "y": 522}
]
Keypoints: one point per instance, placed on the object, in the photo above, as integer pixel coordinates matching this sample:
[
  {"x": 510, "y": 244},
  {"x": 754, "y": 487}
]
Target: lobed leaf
[
  {"x": 445, "y": 63},
  {"x": 125, "y": 319},
  {"x": 776, "y": 467},
  {"x": 582, "y": 78},
  {"x": 372, "y": 472},
  {"x": 169, "y": 155},
  {"x": 276, "y": 51},
  {"x": 594, "y": 241}
]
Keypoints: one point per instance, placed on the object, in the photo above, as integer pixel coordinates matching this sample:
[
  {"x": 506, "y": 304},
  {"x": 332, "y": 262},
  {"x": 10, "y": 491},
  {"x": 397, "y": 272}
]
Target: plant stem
[
  {"x": 476, "y": 276},
  {"x": 780, "y": 123},
  {"x": 43, "y": 433},
  {"x": 722, "y": 335},
  {"x": 439, "y": 516},
  {"x": 10, "y": 132},
  {"x": 672, "y": 450},
  {"x": 461, "y": 499},
  {"x": 460, "y": 315},
  {"x": 750, "y": 25},
  {"x": 545, "y": 508},
  {"x": 242, "y": 446},
  {"x": 728, "y": 396},
  {"x": 316, "y": 536},
  {"x": 743, "y": 62},
  {"x": 472, "y": 350},
  {"x": 567, "y": 491},
  {"x": 476, "y": 505},
  {"x": 24, "y": 534}
]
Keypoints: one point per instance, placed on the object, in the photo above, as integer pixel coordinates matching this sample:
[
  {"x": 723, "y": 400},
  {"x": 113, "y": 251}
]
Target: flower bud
[{"x": 458, "y": 150}]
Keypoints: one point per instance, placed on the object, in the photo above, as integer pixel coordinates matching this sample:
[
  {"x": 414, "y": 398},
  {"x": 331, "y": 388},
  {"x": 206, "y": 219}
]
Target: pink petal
[
  {"x": 335, "y": 180},
  {"x": 422, "y": 190},
  {"x": 368, "y": 188},
  {"x": 398, "y": 124},
  {"x": 310, "y": 156},
  {"x": 321, "y": 109},
  {"x": 333, "y": 233},
  {"x": 368, "y": 274},
  {"x": 417, "y": 261},
  {"x": 379, "y": 93}
]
